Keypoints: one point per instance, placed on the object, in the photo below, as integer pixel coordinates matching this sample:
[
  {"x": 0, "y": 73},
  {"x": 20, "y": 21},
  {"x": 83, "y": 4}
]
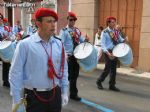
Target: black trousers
[
  {"x": 110, "y": 68},
  {"x": 36, "y": 105},
  {"x": 5, "y": 72},
  {"x": 73, "y": 70}
]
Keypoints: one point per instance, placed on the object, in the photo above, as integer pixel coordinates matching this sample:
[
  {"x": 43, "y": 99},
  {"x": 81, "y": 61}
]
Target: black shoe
[
  {"x": 99, "y": 85},
  {"x": 76, "y": 98},
  {"x": 114, "y": 89},
  {"x": 6, "y": 84}
]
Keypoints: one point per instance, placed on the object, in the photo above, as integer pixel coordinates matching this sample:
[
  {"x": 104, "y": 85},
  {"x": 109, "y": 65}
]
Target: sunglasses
[{"x": 72, "y": 20}]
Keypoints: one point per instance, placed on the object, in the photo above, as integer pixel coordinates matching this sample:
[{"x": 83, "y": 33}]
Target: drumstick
[
  {"x": 84, "y": 45},
  {"x": 124, "y": 45}
]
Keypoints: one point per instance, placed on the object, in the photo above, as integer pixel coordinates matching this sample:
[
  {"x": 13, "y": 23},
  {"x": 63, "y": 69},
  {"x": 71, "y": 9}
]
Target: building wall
[
  {"x": 2, "y": 10},
  {"x": 87, "y": 12},
  {"x": 144, "y": 52},
  {"x": 17, "y": 15},
  {"x": 62, "y": 9}
]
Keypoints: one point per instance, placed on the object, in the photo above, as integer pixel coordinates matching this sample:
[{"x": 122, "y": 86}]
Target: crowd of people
[{"x": 44, "y": 70}]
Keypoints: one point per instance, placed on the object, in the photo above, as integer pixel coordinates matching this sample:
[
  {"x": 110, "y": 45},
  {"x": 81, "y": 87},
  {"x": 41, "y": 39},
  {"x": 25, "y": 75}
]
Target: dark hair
[
  {"x": 109, "y": 21},
  {"x": 32, "y": 19},
  {"x": 39, "y": 19},
  {"x": 100, "y": 27},
  {"x": 72, "y": 17}
]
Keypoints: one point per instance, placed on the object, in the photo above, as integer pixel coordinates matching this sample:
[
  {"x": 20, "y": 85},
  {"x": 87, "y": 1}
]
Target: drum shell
[
  {"x": 89, "y": 63},
  {"x": 127, "y": 59},
  {"x": 7, "y": 53},
  {"x": 87, "y": 56},
  {"x": 124, "y": 54}
]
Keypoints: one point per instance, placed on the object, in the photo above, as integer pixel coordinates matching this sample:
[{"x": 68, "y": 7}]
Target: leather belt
[{"x": 39, "y": 89}]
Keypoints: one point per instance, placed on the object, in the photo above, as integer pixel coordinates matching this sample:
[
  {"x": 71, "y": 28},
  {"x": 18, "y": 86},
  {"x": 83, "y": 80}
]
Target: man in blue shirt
[
  {"x": 40, "y": 68},
  {"x": 71, "y": 37},
  {"x": 109, "y": 39}
]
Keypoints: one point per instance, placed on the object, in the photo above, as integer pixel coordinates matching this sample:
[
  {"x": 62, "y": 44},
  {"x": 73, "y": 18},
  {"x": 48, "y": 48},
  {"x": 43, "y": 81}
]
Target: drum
[
  {"x": 6, "y": 51},
  {"x": 87, "y": 56},
  {"x": 124, "y": 54},
  {"x": 99, "y": 52}
]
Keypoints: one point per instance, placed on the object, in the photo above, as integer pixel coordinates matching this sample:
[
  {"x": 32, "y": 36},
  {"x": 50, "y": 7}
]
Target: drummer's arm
[
  {"x": 121, "y": 40},
  {"x": 62, "y": 35},
  {"x": 82, "y": 39},
  {"x": 103, "y": 42},
  {"x": 126, "y": 40},
  {"x": 16, "y": 73}
]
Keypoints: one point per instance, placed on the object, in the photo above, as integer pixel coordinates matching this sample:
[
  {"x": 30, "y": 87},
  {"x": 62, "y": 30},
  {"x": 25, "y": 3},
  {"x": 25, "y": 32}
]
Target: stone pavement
[{"x": 129, "y": 71}]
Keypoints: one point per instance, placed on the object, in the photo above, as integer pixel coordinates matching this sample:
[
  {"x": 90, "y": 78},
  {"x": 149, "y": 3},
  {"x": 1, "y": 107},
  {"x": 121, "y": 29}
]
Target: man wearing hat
[
  {"x": 109, "y": 39},
  {"x": 40, "y": 68},
  {"x": 71, "y": 37}
]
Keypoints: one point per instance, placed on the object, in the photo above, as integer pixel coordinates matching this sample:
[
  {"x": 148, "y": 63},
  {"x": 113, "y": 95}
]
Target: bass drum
[
  {"x": 87, "y": 56},
  {"x": 7, "y": 49}
]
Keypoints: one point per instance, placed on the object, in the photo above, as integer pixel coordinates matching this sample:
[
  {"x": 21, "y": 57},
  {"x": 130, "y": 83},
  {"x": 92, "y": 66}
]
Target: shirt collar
[
  {"x": 37, "y": 38},
  {"x": 110, "y": 29},
  {"x": 70, "y": 29}
]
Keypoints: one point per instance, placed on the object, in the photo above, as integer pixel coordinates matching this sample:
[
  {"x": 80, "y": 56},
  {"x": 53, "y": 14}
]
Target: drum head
[
  {"x": 83, "y": 50},
  {"x": 121, "y": 50},
  {"x": 4, "y": 44}
]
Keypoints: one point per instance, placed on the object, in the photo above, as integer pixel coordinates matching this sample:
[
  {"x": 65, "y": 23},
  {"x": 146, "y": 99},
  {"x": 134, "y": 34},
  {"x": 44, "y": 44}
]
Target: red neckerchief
[{"x": 51, "y": 70}]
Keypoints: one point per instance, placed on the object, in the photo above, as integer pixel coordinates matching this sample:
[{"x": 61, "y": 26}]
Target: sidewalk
[{"x": 128, "y": 71}]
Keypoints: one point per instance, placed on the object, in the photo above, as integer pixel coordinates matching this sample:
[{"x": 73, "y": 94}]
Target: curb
[{"x": 128, "y": 71}]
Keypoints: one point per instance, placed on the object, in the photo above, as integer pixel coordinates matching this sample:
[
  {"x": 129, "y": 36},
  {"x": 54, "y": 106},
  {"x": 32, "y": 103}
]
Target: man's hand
[
  {"x": 19, "y": 107},
  {"x": 110, "y": 55},
  {"x": 64, "y": 99}
]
